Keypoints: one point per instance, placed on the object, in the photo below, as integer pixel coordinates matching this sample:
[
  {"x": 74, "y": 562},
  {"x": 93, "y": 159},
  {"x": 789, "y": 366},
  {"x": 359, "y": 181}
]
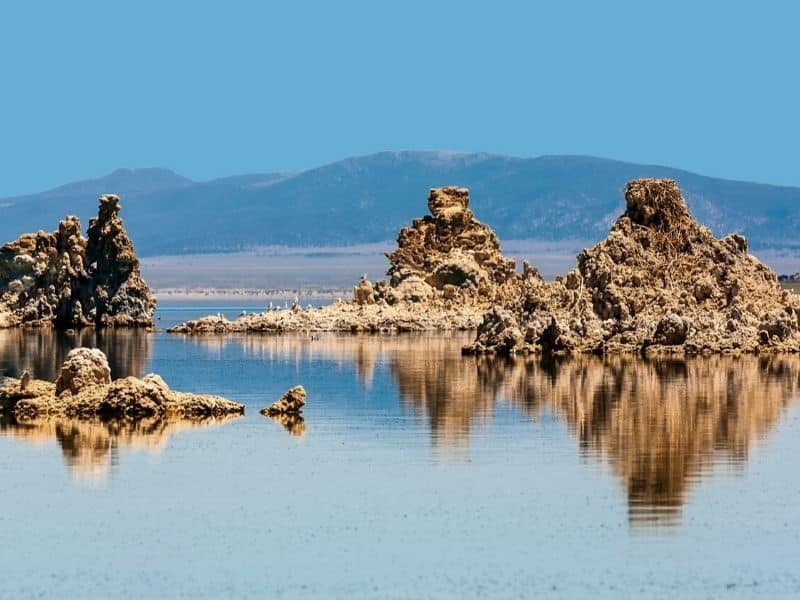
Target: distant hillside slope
[{"x": 367, "y": 199}]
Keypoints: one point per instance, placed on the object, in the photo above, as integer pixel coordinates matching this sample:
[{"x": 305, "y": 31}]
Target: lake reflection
[
  {"x": 91, "y": 448},
  {"x": 414, "y": 473},
  {"x": 661, "y": 424},
  {"x": 41, "y": 352}
]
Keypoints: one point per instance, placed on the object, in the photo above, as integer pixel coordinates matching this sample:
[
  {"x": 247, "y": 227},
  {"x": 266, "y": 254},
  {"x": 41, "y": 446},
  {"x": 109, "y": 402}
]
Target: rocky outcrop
[
  {"x": 452, "y": 252},
  {"x": 659, "y": 283},
  {"x": 84, "y": 390},
  {"x": 84, "y": 367},
  {"x": 68, "y": 281},
  {"x": 291, "y": 402},
  {"x": 288, "y": 411},
  {"x": 446, "y": 272}
]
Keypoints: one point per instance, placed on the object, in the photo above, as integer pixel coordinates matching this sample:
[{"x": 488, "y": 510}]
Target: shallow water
[{"x": 416, "y": 474}]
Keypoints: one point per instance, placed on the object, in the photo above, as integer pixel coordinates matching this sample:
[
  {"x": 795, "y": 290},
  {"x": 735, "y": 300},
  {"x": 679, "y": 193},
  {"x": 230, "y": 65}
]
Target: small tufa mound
[
  {"x": 291, "y": 402},
  {"x": 84, "y": 367},
  {"x": 84, "y": 390},
  {"x": 68, "y": 281},
  {"x": 660, "y": 282}
]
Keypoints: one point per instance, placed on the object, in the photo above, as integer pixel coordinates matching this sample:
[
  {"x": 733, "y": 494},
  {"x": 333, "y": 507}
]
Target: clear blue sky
[{"x": 234, "y": 87}]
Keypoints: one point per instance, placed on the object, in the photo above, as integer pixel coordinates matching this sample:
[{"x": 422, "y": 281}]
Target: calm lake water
[{"x": 416, "y": 474}]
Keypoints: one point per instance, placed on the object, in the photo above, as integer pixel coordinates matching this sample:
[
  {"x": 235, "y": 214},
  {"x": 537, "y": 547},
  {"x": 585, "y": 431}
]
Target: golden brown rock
[
  {"x": 659, "y": 282},
  {"x": 84, "y": 390},
  {"x": 291, "y": 402},
  {"x": 446, "y": 272},
  {"x": 67, "y": 281},
  {"x": 450, "y": 247},
  {"x": 84, "y": 367}
]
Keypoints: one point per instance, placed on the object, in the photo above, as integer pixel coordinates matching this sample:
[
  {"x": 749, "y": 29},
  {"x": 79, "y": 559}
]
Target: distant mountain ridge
[{"x": 367, "y": 199}]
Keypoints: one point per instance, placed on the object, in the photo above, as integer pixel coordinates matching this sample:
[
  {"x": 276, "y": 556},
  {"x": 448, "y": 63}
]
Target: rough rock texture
[
  {"x": 68, "y": 281},
  {"x": 291, "y": 402},
  {"x": 287, "y": 411},
  {"x": 659, "y": 282},
  {"x": 446, "y": 272},
  {"x": 83, "y": 367},
  {"x": 451, "y": 249},
  {"x": 342, "y": 316},
  {"x": 84, "y": 390}
]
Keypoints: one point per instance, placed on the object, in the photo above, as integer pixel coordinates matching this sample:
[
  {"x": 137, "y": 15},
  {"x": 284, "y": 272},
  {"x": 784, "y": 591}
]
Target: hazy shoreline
[{"x": 267, "y": 295}]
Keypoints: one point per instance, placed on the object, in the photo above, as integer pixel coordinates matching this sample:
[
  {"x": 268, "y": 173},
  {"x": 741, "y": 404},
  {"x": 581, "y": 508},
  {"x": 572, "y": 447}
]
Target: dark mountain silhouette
[{"x": 367, "y": 199}]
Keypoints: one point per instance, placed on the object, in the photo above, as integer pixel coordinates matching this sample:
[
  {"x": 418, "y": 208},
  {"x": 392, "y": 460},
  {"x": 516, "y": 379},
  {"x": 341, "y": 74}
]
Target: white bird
[{"x": 24, "y": 381}]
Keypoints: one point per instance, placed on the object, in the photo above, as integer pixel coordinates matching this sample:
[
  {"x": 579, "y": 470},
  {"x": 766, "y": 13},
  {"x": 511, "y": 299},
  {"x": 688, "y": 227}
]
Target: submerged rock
[
  {"x": 291, "y": 402},
  {"x": 84, "y": 390},
  {"x": 660, "y": 282},
  {"x": 68, "y": 281}
]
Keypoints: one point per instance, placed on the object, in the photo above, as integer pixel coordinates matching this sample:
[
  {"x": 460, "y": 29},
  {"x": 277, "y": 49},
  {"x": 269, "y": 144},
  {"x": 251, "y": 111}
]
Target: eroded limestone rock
[
  {"x": 84, "y": 367},
  {"x": 84, "y": 390},
  {"x": 291, "y": 402},
  {"x": 445, "y": 273},
  {"x": 660, "y": 282},
  {"x": 68, "y": 281},
  {"x": 450, "y": 247}
]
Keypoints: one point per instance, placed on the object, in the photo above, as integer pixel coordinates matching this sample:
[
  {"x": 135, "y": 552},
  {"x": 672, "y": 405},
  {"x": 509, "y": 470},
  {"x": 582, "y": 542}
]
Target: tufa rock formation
[
  {"x": 84, "y": 390},
  {"x": 291, "y": 402},
  {"x": 84, "y": 367},
  {"x": 448, "y": 254},
  {"x": 659, "y": 282},
  {"x": 68, "y": 281},
  {"x": 287, "y": 411},
  {"x": 445, "y": 273}
]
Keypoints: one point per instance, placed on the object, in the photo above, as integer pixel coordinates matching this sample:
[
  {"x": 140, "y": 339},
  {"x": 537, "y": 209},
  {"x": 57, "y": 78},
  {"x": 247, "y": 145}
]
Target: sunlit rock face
[
  {"x": 64, "y": 280},
  {"x": 446, "y": 271},
  {"x": 84, "y": 390},
  {"x": 659, "y": 283},
  {"x": 451, "y": 251}
]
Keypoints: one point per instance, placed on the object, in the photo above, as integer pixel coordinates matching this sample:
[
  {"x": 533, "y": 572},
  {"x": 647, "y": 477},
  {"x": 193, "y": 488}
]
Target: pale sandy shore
[{"x": 238, "y": 294}]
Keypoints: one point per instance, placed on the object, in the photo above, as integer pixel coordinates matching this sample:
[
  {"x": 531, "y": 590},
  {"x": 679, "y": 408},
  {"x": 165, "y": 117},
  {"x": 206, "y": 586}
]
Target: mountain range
[{"x": 367, "y": 199}]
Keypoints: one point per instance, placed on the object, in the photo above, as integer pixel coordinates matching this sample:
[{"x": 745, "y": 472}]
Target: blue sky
[{"x": 233, "y": 87}]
